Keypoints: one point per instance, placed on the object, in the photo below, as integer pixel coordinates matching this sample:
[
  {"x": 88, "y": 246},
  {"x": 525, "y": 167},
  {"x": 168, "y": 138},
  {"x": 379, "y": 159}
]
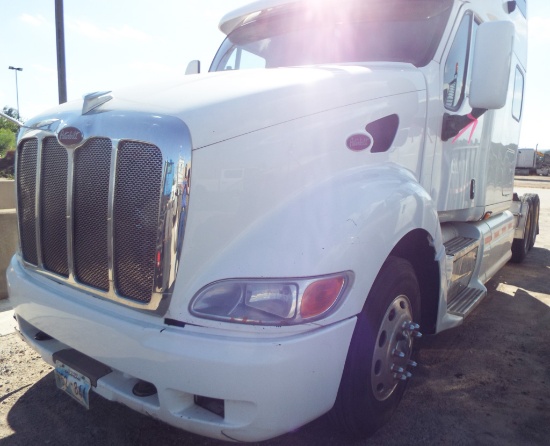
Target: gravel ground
[{"x": 486, "y": 382}]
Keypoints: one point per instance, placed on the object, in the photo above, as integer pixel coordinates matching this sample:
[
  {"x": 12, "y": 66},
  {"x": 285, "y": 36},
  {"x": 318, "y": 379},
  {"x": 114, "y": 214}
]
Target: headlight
[{"x": 270, "y": 301}]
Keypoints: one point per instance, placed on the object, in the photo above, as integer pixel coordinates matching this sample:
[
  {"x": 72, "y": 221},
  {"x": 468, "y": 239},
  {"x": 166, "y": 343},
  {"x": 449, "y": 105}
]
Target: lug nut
[
  {"x": 397, "y": 353},
  {"x": 396, "y": 369},
  {"x": 410, "y": 326},
  {"x": 402, "y": 376}
]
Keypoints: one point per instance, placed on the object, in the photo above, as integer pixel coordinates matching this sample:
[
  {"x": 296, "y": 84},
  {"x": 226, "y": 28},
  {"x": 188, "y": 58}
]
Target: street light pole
[
  {"x": 60, "y": 45},
  {"x": 16, "y": 69}
]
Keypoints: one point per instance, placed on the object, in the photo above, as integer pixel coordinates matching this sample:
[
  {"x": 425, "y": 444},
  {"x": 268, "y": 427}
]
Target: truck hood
[{"x": 224, "y": 105}]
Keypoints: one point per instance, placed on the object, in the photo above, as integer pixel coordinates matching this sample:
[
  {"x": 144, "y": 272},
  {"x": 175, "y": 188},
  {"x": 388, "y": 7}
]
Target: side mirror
[
  {"x": 194, "y": 67},
  {"x": 492, "y": 65}
]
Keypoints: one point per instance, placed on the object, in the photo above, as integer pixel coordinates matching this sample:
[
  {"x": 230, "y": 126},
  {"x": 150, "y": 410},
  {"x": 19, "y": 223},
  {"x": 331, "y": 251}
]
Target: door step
[
  {"x": 459, "y": 246},
  {"x": 465, "y": 302},
  {"x": 462, "y": 254},
  {"x": 461, "y": 262}
]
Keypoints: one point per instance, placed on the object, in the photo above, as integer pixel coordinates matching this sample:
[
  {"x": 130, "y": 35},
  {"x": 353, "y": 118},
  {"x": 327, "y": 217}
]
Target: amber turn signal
[{"x": 321, "y": 295}]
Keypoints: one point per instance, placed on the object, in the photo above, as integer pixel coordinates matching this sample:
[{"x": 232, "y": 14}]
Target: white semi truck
[{"x": 241, "y": 251}]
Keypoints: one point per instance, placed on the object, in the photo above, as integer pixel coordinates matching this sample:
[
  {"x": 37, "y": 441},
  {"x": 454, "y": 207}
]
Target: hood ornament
[{"x": 94, "y": 100}]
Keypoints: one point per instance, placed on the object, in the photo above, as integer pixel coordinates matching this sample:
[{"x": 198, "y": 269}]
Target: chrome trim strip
[
  {"x": 110, "y": 212},
  {"x": 29, "y": 135},
  {"x": 16, "y": 176},
  {"x": 172, "y": 219},
  {"x": 70, "y": 213},
  {"x": 37, "y": 203}
]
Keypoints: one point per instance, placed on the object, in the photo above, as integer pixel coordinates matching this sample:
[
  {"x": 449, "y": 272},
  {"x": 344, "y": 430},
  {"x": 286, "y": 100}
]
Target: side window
[
  {"x": 240, "y": 59},
  {"x": 456, "y": 67},
  {"x": 251, "y": 60},
  {"x": 517, "y": 102},
  {"x": 522, "y": 5}
]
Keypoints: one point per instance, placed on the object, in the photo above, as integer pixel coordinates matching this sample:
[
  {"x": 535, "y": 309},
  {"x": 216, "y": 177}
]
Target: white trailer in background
[
  {"x": 526, "y": 162},
  {"x": 239, "y": 252}
]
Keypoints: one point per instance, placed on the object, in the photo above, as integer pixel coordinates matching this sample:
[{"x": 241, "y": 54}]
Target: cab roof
[{"x": 239, "y": 16}]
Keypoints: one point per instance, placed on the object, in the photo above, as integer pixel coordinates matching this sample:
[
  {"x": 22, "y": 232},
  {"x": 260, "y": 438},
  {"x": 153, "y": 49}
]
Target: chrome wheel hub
[{"x": 393, "y": 348}]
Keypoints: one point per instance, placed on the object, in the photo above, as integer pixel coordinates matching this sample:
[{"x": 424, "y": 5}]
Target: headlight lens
[
  {"x": 271, "y": 302},
  {"x": 272, "y": 298}
]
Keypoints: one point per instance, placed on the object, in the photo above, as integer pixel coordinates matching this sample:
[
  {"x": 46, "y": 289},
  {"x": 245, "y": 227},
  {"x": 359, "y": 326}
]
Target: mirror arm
[
  {"x": 194, "y": 67},
  {"x": 453, "y": 124}
]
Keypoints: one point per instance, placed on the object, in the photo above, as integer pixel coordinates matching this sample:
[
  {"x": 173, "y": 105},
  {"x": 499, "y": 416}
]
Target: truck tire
[
  {"x": 375, "y": 374},
  {"x": 520, "y": 247},
  {"x": 535, "y": 201}
]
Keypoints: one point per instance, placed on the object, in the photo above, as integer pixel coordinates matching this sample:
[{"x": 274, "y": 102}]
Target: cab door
[{"x": 460, "y": 154}]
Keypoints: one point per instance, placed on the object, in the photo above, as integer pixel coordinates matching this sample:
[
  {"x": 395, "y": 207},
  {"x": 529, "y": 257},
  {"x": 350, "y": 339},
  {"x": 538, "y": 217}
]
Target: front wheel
[
  {"x": 520, "y": 247},
  {"x": 379, "y": 358}
]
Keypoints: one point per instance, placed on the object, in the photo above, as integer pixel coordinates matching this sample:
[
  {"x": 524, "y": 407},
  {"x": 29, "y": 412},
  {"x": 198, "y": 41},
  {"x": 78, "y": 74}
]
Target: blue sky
[{"x": 110, "y": 44}]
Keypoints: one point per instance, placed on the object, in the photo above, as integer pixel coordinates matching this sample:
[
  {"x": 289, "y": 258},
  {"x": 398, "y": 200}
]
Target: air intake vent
[
  {"x": 137, "y": 197},
  {"x": 54, "y": 207},
  {"x": 26, "y": 192},
  {"x": 106, "y": 215},
  {"x": 92, "y": 164},
  {"x": 383, "y": 132},
  {"x": 136, "y": 218}
]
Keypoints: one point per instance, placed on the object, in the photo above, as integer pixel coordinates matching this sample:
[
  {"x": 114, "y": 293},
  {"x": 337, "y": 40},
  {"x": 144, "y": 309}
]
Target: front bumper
[{"x": 269, "y": 386}]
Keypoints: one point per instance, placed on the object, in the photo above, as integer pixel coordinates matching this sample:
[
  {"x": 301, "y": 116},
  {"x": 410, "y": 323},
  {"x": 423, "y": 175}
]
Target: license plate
[{"x": 75, "y": 384}]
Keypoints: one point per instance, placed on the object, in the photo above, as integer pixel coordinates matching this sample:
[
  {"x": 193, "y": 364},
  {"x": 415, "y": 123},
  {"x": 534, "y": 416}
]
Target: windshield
[{"x": 309, "y": 33}]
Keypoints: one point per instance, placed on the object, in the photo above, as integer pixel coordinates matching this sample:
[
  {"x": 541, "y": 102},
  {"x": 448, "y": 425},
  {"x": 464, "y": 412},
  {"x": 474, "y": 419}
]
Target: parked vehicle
[
  {"x": 241, "y": 251},
  {"x": 526, "y": 161}
]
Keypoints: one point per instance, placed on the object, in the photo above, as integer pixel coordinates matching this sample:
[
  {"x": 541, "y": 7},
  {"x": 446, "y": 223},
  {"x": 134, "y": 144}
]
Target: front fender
[{"x": 348, "y": 222}]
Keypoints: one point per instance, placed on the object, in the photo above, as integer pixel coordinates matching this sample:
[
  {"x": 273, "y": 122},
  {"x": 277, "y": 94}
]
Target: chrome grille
[
  {"x": 136, "y": 216},
  {"x": 92, "y": 164},
  {"x": 26, "y": 193},
  {"x": 107, "y": 214},
  {"x": 54, "y": 207}
]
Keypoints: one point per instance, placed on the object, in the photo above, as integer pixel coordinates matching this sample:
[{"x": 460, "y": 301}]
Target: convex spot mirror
[{"x": 492, "y": 65}]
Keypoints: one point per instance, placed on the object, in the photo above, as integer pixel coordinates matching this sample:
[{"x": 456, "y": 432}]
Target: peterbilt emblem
[
  {"x": 70, "y": 136},
  {"x": 358, "y": 142}
]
